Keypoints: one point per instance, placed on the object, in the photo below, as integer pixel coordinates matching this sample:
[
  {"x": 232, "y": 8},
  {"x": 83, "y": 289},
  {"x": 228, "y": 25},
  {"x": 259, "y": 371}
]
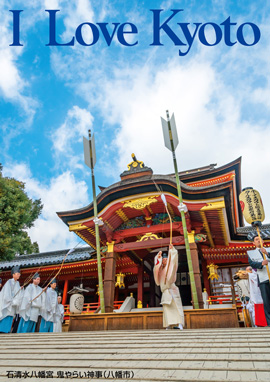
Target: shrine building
[{"x": 136, "y": 226}]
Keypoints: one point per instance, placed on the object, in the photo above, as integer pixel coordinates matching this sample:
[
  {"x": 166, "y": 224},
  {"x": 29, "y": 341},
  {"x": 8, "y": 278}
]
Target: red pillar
[
  {"x": 152, "y": 291},
  {"x": 109, "y": 278},
  {"x": 65, "y": 290},
  {"x": 116, "y": 297},
  {"x": 205, "y": 277},
  {"x": 196, "y": 267},
  {"x": 140, "y": 284}
]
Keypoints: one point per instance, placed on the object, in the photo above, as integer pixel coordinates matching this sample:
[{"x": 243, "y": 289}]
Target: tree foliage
[{"x": 17, "y": 213}]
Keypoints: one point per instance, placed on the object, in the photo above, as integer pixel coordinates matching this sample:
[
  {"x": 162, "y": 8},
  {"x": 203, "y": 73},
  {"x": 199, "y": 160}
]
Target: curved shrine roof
[
  {"x": 48, "y": 258},
  {"x": 146, "y": 183}
]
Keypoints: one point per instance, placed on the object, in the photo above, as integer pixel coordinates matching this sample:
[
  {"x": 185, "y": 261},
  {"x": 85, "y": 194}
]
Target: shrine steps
[{"x": 234, "y": 354}]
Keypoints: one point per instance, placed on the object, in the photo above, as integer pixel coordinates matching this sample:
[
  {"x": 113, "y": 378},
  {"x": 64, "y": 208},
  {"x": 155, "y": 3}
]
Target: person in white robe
[
  {"x": 30, "y": 308},
  {"x": 165, "y": 270},
  {"x": 59, "y": 316},
  {"x": 10, "y": 299},
  {"x": 256, "y": 261},
  {"x": 243, "y": 288},
  {"x": 48, "y": 310},
  {"x": 255, "y": 295}
]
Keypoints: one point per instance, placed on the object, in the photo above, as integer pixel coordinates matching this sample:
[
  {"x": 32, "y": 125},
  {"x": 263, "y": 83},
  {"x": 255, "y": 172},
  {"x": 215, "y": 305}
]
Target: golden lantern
[
  {"x": 120, "y": 280},
  {"x": 212, "y": 269},
  {"x": 251, "y": 206}
]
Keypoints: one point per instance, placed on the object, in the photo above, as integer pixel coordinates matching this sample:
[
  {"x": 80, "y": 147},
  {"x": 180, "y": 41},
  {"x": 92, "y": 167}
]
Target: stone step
[
  {"x": 150, "y": 355},
  {"x": 144, "y": 362},
  {"x": 176, "y": 352}
]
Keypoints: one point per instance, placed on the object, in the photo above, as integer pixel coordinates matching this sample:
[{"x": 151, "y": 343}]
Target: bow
[{"x": 43, "y": 290}]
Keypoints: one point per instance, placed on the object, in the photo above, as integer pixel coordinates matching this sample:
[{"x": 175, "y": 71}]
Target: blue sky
[{"x": 50, "y": 96}]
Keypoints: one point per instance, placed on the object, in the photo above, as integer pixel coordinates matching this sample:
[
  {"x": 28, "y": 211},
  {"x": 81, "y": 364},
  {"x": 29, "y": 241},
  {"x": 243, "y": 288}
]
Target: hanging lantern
[
  {"x": 252, "y": 207},
  {"x": 212, "y": 269},
  {"x": 120, "y": 280}
]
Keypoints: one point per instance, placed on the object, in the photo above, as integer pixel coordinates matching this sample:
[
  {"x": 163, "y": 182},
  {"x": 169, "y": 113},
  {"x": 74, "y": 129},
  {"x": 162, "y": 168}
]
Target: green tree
[{"x": 17, "y": 213}]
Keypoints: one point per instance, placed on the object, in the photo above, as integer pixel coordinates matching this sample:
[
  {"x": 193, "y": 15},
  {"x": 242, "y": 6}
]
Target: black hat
[
  {"x": 0, "y": 281},
  {"x": 15, "y": 269},
  {"x": 164, "y": 255},
  {"x": 53, "y": 281},
  {"x": 264, "y": 235},
  {"x": 36, "y": 275}
]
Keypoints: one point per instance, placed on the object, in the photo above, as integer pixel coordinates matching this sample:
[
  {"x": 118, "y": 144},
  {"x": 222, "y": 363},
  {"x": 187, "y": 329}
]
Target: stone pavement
[{"x": 241, "y": 354}]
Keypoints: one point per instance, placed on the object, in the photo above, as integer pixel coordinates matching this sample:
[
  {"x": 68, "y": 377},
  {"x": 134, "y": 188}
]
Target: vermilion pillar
[
  {"x": 109, "y": 278},
  {"x": 196, "y": 267},
  {"x": 205, "y": 277},
  {"x": 140, "y": 284},
  {"x": 152, "y": 290},
  {"x": 65, "y": 290}
]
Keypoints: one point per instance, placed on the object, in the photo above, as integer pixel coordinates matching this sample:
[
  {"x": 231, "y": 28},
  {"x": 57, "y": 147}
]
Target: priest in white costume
[
  {"x": 10, "y": 298},
  {"x": 30, "y": 307},
  {"x": 59, "y": 316},
  {"x": 257, "y": 261},
  {"x": 165, "y": 276},
  {"x": 255, "y": 293},
  {"x": 48, "y": 310}
]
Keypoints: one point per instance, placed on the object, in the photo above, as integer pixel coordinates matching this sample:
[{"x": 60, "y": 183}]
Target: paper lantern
[{"x": 252, "y": 207}]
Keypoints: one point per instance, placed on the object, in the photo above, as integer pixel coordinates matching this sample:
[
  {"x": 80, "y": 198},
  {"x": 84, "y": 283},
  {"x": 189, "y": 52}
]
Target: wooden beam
[
  {"x": 214, "y": 206},
  {"x": 120, "y": 235},
  {"x": 123, "y": 247},
  {"x": 207, "y": 229},
  {"x": 223, "y": 227}
]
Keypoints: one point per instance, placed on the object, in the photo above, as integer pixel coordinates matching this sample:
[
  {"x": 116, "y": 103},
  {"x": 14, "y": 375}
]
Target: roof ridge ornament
[{"x": 135, "y": 163}]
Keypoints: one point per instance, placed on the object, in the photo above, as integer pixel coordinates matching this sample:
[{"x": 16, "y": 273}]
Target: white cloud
[
  {"x": 52, "y": 4},
  {"x": 207, "y": 114},
  {"x": 76, "y": 125},
  {"x": 76, "y": 13},
  {"x": 63, "y": 193},
  {"x": 12, "y": 84},
  {"x": 209, "y": 92}
]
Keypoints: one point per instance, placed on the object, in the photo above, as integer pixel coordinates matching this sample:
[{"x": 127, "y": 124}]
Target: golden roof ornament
[
  {"x": 140, "y": 203},
  {"x": 135, "y": 163},
  {"x": 136, "y": 169}
]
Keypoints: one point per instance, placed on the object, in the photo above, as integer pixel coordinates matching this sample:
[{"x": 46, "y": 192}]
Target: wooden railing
[
  {"x": 222, "y": 299},
  {"x": 89, "y": 308}
]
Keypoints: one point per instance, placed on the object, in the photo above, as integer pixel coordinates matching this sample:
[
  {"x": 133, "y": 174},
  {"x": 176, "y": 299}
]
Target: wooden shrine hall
[{"x": 135, "y": 227}]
